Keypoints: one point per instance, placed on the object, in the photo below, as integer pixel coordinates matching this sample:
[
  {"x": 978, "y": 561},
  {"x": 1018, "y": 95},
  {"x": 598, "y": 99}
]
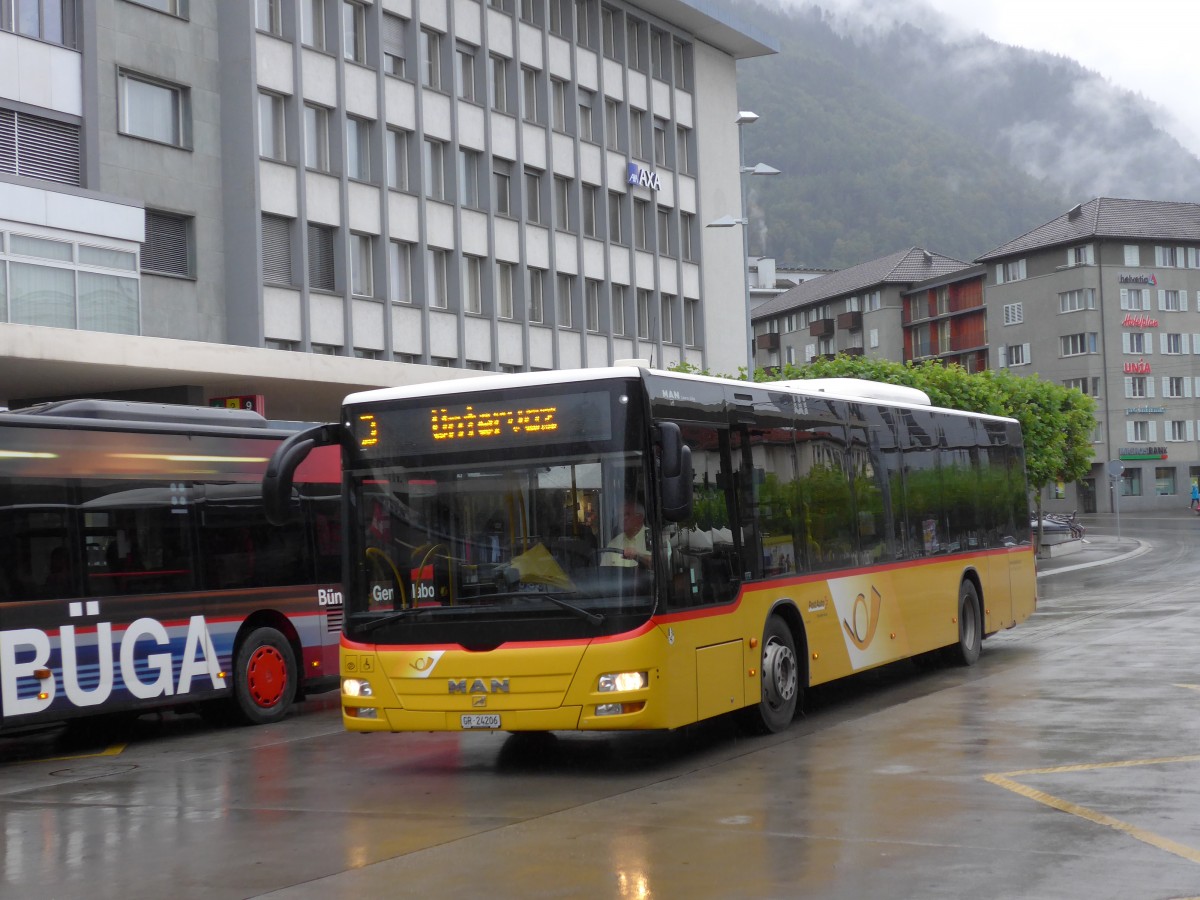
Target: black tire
[
  {"x": 264, "y": 677},
  {"x": 970, "y": 627},
  {"x": 780, "y": 670}
]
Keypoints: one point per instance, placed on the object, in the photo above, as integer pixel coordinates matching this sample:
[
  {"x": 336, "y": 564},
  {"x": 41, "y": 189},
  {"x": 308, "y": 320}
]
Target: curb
[{"x": 1141, "y": 548}]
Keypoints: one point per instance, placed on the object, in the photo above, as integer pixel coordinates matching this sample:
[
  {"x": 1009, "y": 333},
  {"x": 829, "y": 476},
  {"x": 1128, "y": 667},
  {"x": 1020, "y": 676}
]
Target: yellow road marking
[
  {"x": 114, "y": 750},
  {"x": 1006, "y": 781}
]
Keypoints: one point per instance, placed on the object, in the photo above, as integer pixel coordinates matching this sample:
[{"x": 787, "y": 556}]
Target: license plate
[{"x": 481, "y": 720}]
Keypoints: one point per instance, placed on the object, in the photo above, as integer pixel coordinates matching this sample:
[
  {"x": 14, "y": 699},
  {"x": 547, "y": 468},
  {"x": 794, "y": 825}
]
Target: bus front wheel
[
  {"x": 264, "y": 677},
  {"x": 780, "y": 680},
  {"x": 970, "y": 627}
]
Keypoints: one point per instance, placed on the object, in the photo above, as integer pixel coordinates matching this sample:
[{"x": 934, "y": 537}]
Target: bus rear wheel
[
  {"x": 780, "y": 680},
  {"x": 264, "y": 677},
  {"x": 970, "y": 628}
]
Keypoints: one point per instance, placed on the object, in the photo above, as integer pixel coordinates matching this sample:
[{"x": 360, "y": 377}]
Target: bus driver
[{"x": 629, "y": 547}]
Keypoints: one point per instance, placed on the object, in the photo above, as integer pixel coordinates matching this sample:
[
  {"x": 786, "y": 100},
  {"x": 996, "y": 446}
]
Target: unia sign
[{"x": 199, "y": 660}]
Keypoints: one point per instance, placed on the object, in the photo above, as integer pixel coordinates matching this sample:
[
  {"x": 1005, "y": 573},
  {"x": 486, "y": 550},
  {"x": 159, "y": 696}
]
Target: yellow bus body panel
[{"x": 698, "y": 662}]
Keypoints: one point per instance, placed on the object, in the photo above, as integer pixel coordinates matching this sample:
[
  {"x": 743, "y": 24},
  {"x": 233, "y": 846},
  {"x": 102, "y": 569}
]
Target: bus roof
[{"x": 850, "y": 389}]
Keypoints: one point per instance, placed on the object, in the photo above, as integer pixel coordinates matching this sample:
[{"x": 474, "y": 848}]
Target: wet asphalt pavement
[{"x": 1065, "y": 764}]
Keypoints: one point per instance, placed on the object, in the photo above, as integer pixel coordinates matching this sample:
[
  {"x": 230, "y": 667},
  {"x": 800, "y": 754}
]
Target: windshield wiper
[
  {"x": 388, "y": 619},
  {"x": 594, "y": 618}
]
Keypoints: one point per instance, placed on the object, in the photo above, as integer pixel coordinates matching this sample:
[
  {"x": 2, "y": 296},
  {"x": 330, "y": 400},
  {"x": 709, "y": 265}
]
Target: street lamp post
[{"x": 745, "y": 117}]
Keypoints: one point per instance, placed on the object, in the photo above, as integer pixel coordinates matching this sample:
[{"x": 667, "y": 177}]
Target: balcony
[
  {"x": 850, "y": 321},
  {"x": 821, "y": 328},
  {"x": 769, "y": 341},
  {"x": 852, "y": 351}
]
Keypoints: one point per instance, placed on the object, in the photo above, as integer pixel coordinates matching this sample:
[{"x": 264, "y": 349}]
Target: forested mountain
[{"x": 900, "y": 135}]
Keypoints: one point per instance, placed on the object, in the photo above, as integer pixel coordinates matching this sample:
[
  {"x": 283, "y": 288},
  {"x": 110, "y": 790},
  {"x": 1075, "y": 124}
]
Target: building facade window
[
  {"x": 400, "y": 282},
  {"x": 268, "y": 16},
  {"x": 590, "y": 212},
  {"x": 1135, "y": 342},
  {"x": 358, "y": 148},
  {"x": 322, "y": 272},
  {"x": 1173, "y": 343},
  {"x": 53, "y": 21},
  {"x": 1074, "y": 301},
  {"x": 667, "y": 318},
  {"x": 154, "y": 110},
  {"x": 501, "y": 102},
  {"x": 562, "y": 203},
  {"x": 362, "y": 265},
  {"x": 1014, "y": 355},
  {"x": 644, "y": 297},
  {"x": 437, "y": 271},
  {"x": 465, "y": 72},
  {"x": 591, "y": 304},
  {"x": 642, "y": 229},
  {"x": 316, "y": 138},
  {"x": 537, "y": 295},
  {"x": 37, "y": 147},
  {"x": 1164, "y": 481},
  {"x": 616, "y": 233},
  {"x": 1138, "y": 387},
  {"x": 564, "y": 297},
  {"x": 1172, "y": 301},
  {"x": 276, "y": 249},
  {"x": 558, "y": 104},
  {"x": 167, "y": 248},
  {"x": 1135, "y": 299},
  {"x": 432, "y": 43},
  {"x": 533, "y": 196},
  {"x": 616, "y": 311},
  {"x": 1010, "y": 271},
  {"x": 1077, "y": 344},
  {"x": 435, "y": 169},
  {"x": 472, "y": 285},
  {"x": 398, "y": 159},
  {"x": 393, "y": 41},
  {"x": 691, "y": 315},
  {"x": 532, "y": 108},
  {"x": 272, "y": 142},
  {"x": 506, "y": 275},
  {"x": 313, "y": 24},
  {"x": 354, "y": 31},
  {"x": 1131, "y": 482},
  {"x": 502, "y": 187},
  {"x": 469, "y": 163}
]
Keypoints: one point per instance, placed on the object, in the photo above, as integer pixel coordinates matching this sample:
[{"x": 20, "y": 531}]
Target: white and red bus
[
  {"x": 625, "y": 548},
  {"x": 138, "y": 571}
]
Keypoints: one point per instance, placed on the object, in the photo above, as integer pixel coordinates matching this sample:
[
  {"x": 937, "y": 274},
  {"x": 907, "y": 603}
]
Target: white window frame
[{"x": 178, "y": 131}]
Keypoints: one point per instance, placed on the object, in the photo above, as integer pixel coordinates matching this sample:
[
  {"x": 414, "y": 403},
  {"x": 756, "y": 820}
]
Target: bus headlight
[
  {"x": 356, "y": 687},
  {"x": 623, "y": 681}
]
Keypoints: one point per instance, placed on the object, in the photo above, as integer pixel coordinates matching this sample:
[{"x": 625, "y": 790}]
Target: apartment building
[
  {"x": 873, "y": 309},
  {"x": 291, "y": 199},
  {"x": 1106, "y": 298}
]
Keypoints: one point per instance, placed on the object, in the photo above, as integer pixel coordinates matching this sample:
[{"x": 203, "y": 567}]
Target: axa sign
[{"x": 639, "y": 177}]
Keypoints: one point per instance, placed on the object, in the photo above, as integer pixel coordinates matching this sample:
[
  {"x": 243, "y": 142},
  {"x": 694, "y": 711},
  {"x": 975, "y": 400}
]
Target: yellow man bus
[{"x": 624, "y": 548}]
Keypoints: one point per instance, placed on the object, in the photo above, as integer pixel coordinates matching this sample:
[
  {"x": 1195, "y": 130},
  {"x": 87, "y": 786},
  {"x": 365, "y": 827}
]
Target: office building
[{"x": 297, "y": 198}]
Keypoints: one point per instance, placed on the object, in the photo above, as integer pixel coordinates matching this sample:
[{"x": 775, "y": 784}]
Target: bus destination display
[{"x": 498, "y": 423}]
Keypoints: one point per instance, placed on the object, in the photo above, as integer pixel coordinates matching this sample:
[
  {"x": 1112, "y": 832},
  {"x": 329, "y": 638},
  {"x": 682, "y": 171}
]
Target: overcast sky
[{"x": 1149, "y": 48}]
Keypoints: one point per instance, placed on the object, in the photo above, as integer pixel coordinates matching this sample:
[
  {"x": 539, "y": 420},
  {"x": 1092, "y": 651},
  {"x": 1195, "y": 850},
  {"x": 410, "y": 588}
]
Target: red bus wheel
[{"x": 264, "y": 674}]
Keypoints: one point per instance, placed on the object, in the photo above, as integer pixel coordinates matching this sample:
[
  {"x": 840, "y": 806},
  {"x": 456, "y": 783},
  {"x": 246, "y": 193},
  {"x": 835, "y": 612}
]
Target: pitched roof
[
  {"x": 903, "y": 267},
  {"x": 1106, "y": 217}
]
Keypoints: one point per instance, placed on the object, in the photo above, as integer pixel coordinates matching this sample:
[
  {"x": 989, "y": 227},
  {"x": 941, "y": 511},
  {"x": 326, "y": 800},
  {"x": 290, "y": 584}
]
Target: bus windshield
[{"x": 513, "y": 548}]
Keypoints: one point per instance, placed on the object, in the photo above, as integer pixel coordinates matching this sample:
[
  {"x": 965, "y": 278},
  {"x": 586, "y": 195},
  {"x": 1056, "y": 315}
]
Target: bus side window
[{"x": 704, "y": 563}]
